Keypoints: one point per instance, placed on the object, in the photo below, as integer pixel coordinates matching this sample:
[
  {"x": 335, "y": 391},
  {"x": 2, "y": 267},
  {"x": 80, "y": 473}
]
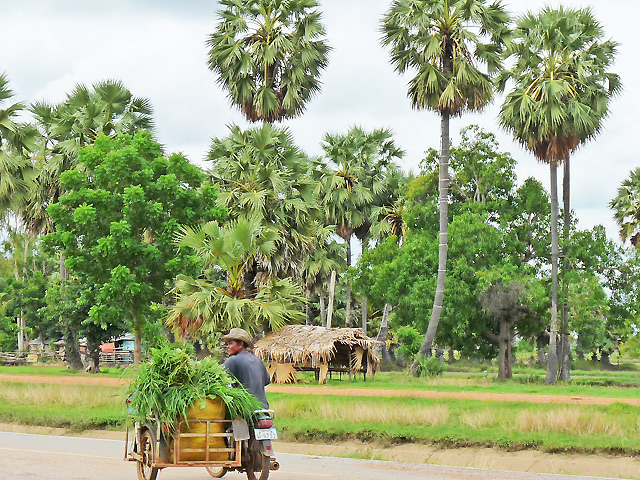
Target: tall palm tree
[
  {"x": 559, "y": 99},
  {"x": 360, "y": 166},
  {"x": 268, "y": 55},
  {"x": 443, "y": 42}
]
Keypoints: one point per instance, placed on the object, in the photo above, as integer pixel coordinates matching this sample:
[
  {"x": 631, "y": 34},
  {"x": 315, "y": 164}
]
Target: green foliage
[
  {"x": 278, "y": 190},
  {"x": 172, "y": 382},
  {"x": 625, "y": 207},
  {"x": 207, "y": 304},
  {"x": 562, "y": 86},
  {"x": 359, "y": 178},
  {"x": 429, "y": 367},
  {"x": 442, "y": 43},
  {"x": 115, "y": 224},
  {"x": 269, "y": 55},
  {"x": 409, "y": 339}
]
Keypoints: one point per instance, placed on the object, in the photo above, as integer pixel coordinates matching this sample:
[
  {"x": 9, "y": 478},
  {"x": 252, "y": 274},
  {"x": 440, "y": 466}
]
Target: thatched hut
[{"x": 318, "y": 349}]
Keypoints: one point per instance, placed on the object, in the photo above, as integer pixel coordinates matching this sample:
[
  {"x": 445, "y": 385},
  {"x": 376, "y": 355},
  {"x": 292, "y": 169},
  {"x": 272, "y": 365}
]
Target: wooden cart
[
  {"x": 204, "y": 439},
  {"x": 152, "y": 452}
]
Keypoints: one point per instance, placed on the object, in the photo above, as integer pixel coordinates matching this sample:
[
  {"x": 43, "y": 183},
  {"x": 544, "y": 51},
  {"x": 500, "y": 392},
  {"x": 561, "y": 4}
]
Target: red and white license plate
[{"x": 266, "y": 433}]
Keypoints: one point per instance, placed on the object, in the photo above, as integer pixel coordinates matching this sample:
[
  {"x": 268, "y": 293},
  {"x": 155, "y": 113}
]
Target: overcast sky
[{"x": 157, "y": 48}]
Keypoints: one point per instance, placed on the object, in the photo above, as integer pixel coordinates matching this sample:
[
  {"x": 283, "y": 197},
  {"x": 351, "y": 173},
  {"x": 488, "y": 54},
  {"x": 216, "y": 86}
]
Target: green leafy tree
[
  {"x": 558, "y": 101},
  {"x": 116, "y": 220},
  {"x": 218, "y": 299},
  {"x": 442, "y": 42},
  {"x": 107, "y": 108},
  {"x": 268, "y": 55}
]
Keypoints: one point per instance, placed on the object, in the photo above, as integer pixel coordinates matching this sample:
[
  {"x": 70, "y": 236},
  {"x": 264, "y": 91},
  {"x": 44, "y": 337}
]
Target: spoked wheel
[
  {"x": 264, "y": 473},
  {"x": 216, "y": 472},
  {"x": 147, "y": 451}
]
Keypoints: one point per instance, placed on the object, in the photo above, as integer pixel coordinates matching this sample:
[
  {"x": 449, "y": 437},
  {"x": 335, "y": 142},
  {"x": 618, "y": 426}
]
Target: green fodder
[
  {"x": 476, "y": 419},
  {"x": 363, "y": 412},
  {"x": 46, "y": 395},
  {"x": 569, "y": 420},
  {"x": 172, "y": 382}
]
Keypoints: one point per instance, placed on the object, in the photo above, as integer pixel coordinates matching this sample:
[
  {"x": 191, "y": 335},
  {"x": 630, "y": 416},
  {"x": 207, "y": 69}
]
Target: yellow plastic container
[{"x": 204, "y": 410}]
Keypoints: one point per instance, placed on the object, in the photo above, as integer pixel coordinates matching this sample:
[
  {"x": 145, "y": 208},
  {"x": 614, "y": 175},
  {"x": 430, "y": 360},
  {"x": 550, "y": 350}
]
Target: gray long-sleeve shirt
[{"x": 251, "y": 373}]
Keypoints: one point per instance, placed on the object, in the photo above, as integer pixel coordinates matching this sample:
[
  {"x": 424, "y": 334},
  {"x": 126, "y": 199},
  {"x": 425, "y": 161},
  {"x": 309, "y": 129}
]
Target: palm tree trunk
[
  {"x": 552, "y": 359},
  {"x": 347, "y": 310},
  {"x": 427, "y": 343},
  {"x": 383, "y": 352},
  {"x": 323, "y": 310},
  {"x": 565, "y": 347},
  {"x": 364, "y": 315},
  {"x": 308, "y": 306},
  {"x": 332, "y": 291}
]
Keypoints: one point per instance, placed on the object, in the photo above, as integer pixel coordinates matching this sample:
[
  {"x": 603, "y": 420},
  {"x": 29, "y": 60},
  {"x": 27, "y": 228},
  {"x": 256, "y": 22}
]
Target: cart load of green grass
[{"x": 172, "y": 382}]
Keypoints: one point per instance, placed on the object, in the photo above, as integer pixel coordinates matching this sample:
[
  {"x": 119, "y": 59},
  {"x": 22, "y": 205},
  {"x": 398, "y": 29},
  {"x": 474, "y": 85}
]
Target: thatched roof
[{"x": 314, "y": 345}]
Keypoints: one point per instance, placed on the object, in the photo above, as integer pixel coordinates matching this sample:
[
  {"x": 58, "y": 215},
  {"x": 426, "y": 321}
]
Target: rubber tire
[
  {"x": 216, "y": 472},
  {"x": 147, "y": 450},
  {"x": 264, "y": 474}
]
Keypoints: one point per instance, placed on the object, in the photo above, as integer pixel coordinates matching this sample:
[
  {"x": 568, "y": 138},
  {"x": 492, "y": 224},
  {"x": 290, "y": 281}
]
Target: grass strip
[{"x": 613, "y": 429}]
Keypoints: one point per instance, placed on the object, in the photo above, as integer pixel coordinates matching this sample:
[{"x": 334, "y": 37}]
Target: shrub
[
  {"x": 410, "y": 340},
  {"x": 429, "y": 367}
]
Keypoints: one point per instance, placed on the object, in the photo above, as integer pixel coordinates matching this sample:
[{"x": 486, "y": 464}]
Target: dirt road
[{"x": 355, "y": 392}]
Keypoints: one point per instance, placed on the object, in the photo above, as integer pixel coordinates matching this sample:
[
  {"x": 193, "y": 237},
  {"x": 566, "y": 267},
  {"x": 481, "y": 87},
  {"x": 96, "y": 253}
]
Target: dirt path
[{"x": 354, "y": 392}]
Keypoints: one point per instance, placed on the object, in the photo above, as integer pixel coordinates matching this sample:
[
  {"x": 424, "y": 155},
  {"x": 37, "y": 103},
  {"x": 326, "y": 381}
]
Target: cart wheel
[
  {"x": 264, "y": 473},
  {"x": 147, "y": 450},
  {"x": 216, "y": 472}
]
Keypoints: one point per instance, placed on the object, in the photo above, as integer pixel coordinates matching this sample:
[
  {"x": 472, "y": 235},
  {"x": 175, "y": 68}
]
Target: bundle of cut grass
[{"x": 172, "y": 382}]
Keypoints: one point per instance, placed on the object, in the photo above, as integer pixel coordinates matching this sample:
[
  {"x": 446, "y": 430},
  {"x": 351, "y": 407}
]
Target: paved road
[{"x": 26, "y": 456}]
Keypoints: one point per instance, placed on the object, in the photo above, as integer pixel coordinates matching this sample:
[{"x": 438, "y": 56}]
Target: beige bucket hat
[{"x": 238, "y": 334}]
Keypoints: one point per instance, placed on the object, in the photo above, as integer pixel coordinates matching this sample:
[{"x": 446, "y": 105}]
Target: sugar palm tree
[
  {"x": 356, "y": 181},
  {"x": 559, "y": 99},
  {"x": 443, "y": 43},
  {"x": 626, "y": 207},
  {"x": 218, "y": 299},
  {"x": 268, "y": 55},
  {"x": 16, "y": 141},
  {"x": 14, "y": 136},
  {"x": 263, "y": 175}
]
